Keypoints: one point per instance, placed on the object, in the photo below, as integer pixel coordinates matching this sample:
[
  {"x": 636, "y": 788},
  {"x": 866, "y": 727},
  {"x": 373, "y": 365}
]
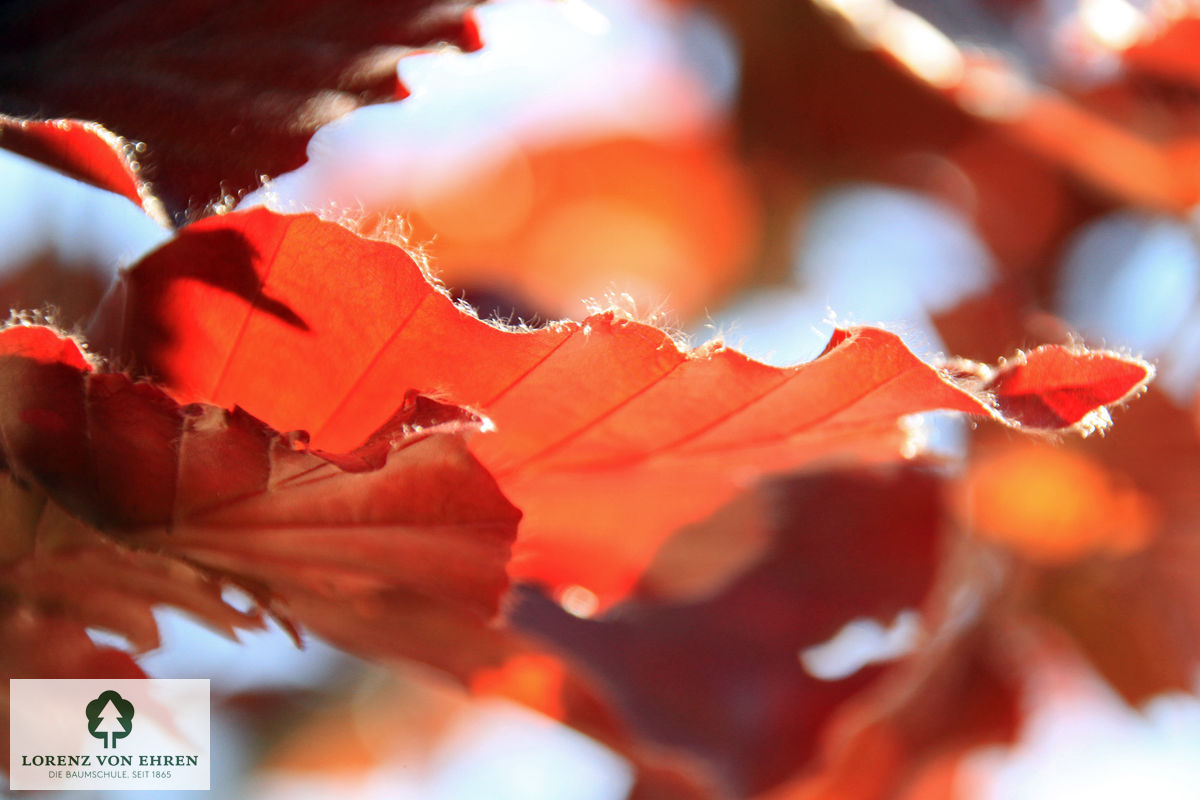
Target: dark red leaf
[
  {"x": 917, "y": 724},
  {"x": 221, "y": 93},
  {"x": 722, "y": 677},
  {"x": 153, "y": 502}
]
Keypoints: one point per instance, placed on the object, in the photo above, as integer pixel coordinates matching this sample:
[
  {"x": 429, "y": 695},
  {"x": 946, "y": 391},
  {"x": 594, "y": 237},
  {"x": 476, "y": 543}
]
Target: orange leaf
[
  {"x": 601, "y": 425},
  {"x": 1053, "y": 506},
  {"x": 554, "y": 224}
]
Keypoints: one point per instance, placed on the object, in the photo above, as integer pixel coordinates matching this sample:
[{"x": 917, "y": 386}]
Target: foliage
[{"x": 289, "y": 405}]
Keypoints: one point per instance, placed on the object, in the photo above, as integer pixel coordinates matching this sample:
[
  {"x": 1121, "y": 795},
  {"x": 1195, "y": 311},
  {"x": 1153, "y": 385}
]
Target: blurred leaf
[
  {"x": 45, "y": 644},
  {"x": 68, "y": 292},
  {"x": 722, "y": 677},
  {"x": 917, "y": 724},
  {"x": 221, "y": 93},
  {"x": 1133, "y": 610},
  {"x": 668, "y": 222}
]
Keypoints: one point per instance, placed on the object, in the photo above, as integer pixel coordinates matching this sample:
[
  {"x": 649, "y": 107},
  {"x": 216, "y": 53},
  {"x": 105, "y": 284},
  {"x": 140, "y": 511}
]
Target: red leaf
[
  {"x": 722, "y": 677},
  {"x": 1169, "y": 55},
  {"x": 153, "y": 502},
  {"x": 602, "y": 425},
  {"x": 1058, "y": 387},
  {"x": 1128, "y": 598},
  {"x": 220, "y": 92},
  {"x": 84, "y": 151},
  {"x": 916, "y": 724}
]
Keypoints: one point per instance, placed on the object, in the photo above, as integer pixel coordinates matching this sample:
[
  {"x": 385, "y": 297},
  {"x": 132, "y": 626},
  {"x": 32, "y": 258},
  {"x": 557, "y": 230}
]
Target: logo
[
  {"x": 80, "y": 734},
  {"x": 110, "y": 717}
]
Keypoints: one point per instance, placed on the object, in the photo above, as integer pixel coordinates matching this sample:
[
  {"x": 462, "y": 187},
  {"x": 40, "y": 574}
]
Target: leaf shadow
[{"x": 225, "y": 260}]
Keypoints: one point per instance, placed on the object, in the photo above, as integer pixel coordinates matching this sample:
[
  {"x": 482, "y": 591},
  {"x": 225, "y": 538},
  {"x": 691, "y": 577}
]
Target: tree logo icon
[{"x": 110, "y": 717}]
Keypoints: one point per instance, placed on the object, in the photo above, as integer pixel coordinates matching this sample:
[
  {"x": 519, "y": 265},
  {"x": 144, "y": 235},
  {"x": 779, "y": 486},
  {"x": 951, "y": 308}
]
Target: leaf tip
[{"x": 1066, "y": 387}]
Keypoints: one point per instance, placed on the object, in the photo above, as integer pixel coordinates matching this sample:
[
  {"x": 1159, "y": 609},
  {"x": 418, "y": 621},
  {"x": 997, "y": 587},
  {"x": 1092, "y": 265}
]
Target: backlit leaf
[
  {"x": 601, "y": 425},
  {"x": 84, "y": 151}
]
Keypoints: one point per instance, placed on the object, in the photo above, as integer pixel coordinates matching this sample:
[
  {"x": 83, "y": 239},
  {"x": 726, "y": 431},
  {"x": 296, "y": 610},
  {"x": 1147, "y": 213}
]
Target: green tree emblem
[{"x": 110, "y": 717}]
